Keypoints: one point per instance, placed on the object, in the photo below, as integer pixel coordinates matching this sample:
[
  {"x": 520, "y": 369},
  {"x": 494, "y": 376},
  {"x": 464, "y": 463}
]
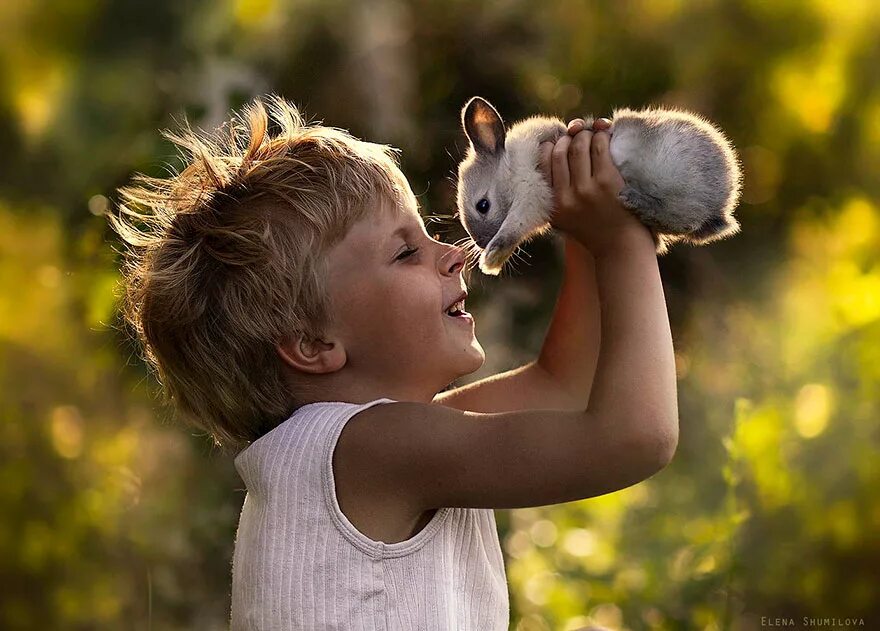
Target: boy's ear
[
  {"x": 310, "y": 355},
  {"x": 483, "y": 125}
]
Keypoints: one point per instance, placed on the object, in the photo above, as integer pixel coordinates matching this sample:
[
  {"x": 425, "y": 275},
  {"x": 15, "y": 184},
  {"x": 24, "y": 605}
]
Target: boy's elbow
[
  {"x": 661, "y": 445},
  {"x": 666, "y": 443}
]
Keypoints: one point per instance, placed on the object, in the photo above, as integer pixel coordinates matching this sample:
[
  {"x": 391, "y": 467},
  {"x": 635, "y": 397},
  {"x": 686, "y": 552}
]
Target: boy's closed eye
[{"x": 407, "y": 253}]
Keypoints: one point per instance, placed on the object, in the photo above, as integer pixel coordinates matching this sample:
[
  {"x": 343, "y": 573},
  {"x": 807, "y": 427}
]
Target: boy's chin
[{"x": 475, "y": 359}]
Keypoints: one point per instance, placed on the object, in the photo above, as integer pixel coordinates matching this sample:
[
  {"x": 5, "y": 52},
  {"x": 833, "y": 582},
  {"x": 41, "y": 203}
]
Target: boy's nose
[{"x": 453, "y": 260}]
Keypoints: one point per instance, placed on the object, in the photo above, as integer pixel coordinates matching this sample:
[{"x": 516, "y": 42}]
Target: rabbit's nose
[{"x": 482, "y": 241}]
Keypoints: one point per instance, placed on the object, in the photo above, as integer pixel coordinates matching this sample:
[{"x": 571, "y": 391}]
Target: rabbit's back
[{"x": 677, "y": 158}]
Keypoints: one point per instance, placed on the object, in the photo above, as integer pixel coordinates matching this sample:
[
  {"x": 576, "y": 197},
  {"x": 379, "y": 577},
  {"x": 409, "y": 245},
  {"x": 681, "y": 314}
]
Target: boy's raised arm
[
  {"x": 635, "y": 376},
  {"x": 570, "y": 351}
]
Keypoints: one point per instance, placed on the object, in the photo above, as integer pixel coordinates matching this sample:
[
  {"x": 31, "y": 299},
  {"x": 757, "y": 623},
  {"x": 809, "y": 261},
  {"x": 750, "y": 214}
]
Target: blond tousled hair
[{"x": 224, "y": 258}]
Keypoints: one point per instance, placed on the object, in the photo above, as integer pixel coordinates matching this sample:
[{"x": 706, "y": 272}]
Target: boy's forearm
[
  {"x": 635, "y": 378},
  {"x": 571, "y": 347}
]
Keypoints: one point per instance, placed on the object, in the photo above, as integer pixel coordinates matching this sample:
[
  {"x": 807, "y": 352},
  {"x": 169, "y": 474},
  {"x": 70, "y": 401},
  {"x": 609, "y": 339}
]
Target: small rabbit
[{"x": 682, "y": 177}]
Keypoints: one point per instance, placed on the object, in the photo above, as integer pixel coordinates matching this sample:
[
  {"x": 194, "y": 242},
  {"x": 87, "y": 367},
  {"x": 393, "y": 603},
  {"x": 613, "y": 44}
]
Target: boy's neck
[{"x": 364, "y": 392}]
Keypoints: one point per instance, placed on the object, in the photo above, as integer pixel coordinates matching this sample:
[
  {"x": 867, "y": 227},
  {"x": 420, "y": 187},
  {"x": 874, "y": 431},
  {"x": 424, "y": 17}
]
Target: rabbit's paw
[{"x": 646, "y": 207}]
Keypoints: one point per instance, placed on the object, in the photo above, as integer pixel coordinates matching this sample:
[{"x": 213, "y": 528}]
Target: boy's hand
[{"x": 585, "y": 185}]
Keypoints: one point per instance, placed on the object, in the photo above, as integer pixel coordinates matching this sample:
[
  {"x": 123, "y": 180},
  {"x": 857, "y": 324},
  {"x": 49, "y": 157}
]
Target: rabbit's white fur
[{"x": 682, "y": 177}]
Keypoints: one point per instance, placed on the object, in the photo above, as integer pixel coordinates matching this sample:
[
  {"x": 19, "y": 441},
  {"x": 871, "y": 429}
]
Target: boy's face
[{"x": 389, "y": 285}]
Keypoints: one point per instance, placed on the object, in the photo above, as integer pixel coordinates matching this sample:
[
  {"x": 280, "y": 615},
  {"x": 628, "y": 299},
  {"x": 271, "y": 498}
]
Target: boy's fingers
[
  {"x": 559, "y": 162},
  {"x": 601, "y": 124},
  {"x": 545, "y": 152},
  {"x": 579, "y": 159},
  {"x": 604, "y": 170},
  {"x": 576, "y": 125}
]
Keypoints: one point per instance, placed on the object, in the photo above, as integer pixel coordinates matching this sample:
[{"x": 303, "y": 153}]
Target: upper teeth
[{"x": 458, "y": 306}]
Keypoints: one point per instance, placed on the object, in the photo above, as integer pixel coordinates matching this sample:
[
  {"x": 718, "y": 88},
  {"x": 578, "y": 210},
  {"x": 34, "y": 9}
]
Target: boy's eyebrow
[{"x": 402, "y": 231}]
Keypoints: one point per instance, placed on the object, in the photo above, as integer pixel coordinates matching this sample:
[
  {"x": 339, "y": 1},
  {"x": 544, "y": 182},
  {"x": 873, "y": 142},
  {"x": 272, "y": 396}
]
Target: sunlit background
[{"x": 114, "y": 516}]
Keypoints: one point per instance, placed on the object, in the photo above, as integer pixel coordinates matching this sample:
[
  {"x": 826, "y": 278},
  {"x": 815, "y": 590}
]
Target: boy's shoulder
[{"x": 377, "y": 506}]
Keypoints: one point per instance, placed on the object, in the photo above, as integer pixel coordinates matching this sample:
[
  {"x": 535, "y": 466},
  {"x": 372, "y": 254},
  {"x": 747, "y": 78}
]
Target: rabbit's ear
[{"x": 483, "y": 126}]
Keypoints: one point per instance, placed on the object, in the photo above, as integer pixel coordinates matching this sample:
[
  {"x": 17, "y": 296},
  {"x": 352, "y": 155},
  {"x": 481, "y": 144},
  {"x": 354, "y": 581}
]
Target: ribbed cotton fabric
[{"x": 299, "y": 563}]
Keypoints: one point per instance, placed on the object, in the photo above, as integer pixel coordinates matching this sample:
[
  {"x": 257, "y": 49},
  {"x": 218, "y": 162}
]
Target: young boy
[{"x": 293, "y": 305}]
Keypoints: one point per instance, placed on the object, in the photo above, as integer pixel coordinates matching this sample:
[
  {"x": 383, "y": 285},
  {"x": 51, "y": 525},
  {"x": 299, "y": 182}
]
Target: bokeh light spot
[
  {"x": 67, "y": 431},
  {"x": 812, "y": 410}
]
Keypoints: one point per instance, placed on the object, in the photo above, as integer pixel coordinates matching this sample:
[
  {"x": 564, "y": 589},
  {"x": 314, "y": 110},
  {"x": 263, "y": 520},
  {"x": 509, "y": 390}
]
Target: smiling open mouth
[{"x": 456, "y": 309}]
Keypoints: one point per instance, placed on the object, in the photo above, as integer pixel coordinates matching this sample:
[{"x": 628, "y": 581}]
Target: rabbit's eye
[{"x": 483, "y": 205}]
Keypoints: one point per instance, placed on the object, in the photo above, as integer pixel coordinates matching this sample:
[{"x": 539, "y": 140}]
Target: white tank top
[{"x": 299, "y": 563}]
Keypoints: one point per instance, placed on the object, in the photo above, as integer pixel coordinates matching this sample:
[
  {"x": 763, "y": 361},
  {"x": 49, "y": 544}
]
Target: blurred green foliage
[{"x": 114, "y": 517}]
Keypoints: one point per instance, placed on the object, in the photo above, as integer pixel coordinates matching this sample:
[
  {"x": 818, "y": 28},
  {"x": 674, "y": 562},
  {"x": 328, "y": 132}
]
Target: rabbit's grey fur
[{"x": 682, "y": 177}]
